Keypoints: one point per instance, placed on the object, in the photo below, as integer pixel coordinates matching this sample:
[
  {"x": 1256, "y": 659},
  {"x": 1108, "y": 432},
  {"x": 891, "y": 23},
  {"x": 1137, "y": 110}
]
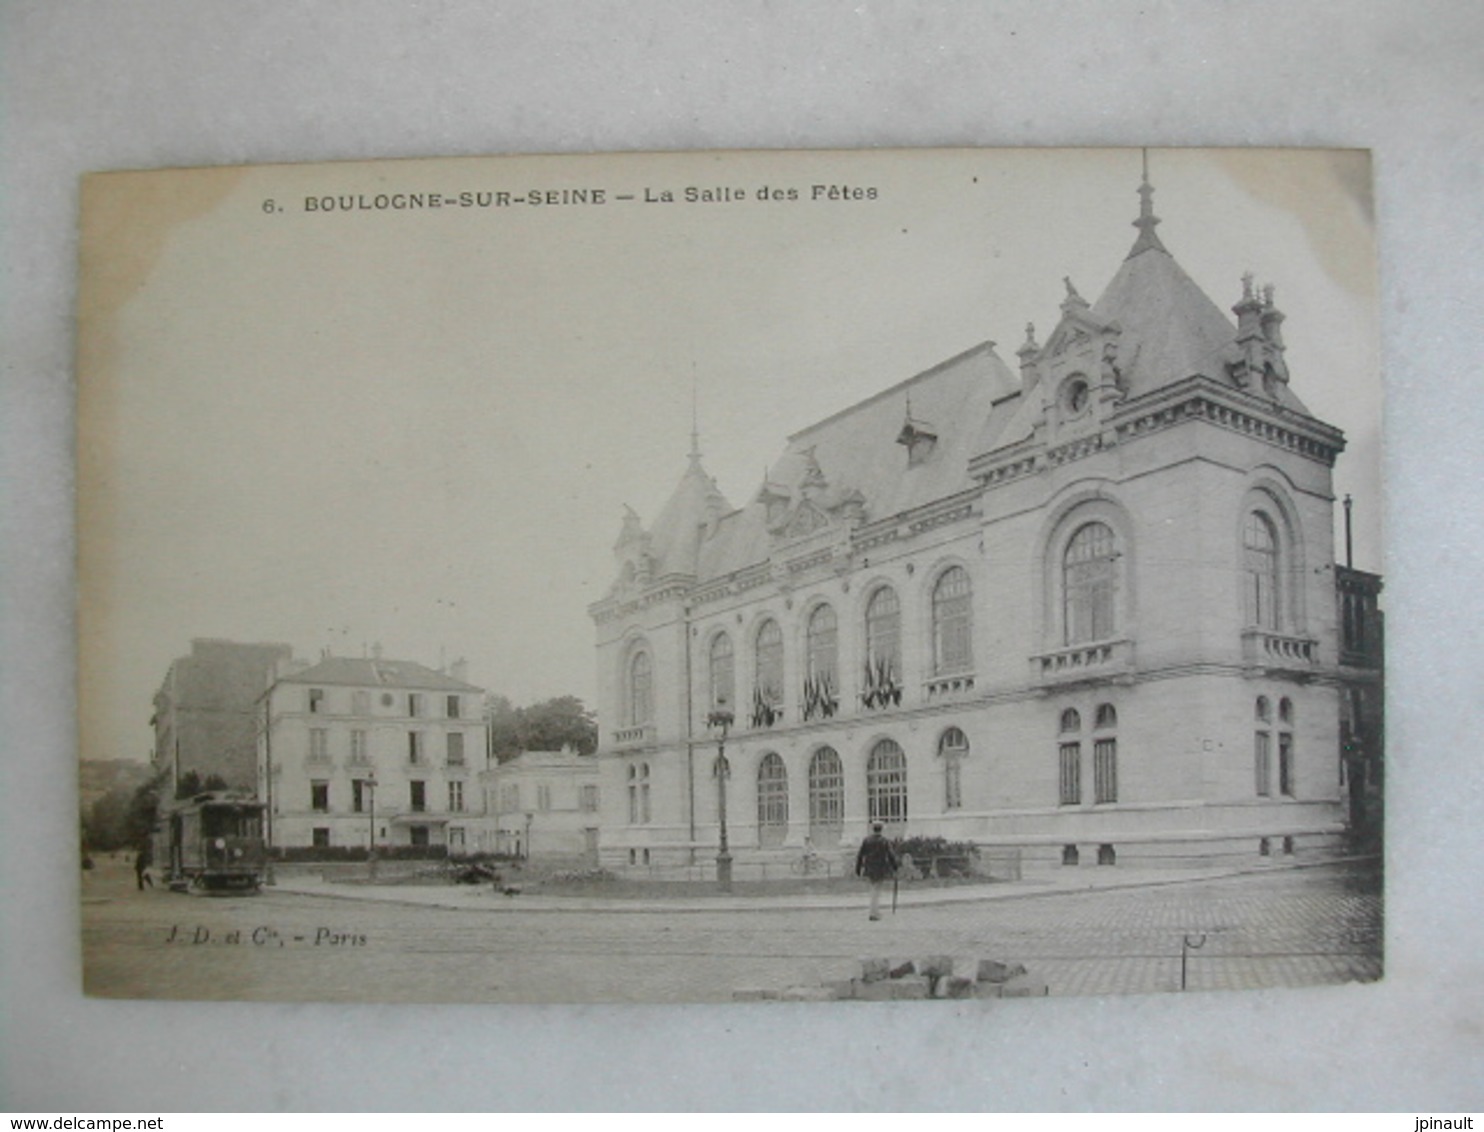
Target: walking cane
[{"x": 893, "y": 894}]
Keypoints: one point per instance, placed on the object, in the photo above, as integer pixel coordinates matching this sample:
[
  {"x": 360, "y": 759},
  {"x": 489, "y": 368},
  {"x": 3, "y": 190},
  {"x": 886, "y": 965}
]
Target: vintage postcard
[{"x": 713, "y": 577}]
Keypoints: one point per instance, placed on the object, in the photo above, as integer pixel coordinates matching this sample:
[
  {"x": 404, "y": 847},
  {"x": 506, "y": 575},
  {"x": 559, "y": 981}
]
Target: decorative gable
[
  {"x": 1081, "y": 371},
  {"x": 812, "y": 506},
  {"x": 803, "y": 520},
  {"x": 632, "y": 550}
]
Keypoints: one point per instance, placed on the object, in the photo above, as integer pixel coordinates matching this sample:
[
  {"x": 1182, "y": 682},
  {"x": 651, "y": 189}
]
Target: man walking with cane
[{"x": 877, "y": 863}]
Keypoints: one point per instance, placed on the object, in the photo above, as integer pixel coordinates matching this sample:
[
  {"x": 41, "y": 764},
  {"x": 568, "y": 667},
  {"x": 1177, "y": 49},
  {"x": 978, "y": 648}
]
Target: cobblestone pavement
[{"x": 1282, "y": 928}]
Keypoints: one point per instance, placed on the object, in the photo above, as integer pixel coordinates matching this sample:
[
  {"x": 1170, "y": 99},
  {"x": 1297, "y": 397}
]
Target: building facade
[
  {"x": 543, "y": 805},
  {"x": 359, "y": 748},
  {"x": 206, "y": 711},
  {"x": 1081, "y": 602}
]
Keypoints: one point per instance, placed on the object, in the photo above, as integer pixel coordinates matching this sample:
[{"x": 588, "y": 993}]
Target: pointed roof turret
[
  {"x": 1147, "y": 240},
  {"x": 691, "y": 511},
  {"x": 1170, "y": 328}
]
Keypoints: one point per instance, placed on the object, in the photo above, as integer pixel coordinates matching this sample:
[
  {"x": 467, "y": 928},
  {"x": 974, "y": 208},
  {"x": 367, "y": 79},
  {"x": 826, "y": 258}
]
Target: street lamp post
[
  {"x": 371, "y": 827},
  {"x": 721, "y": 720}
]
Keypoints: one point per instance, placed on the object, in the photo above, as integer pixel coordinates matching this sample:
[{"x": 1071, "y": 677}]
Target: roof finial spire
[
  {"x": 1147, "y": 220},
  {"x": 695, "y": 427}
]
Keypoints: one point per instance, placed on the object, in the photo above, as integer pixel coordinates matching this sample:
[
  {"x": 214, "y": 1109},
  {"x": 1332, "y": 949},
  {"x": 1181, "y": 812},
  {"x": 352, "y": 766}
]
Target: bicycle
[{"x": 809, "y": 864}]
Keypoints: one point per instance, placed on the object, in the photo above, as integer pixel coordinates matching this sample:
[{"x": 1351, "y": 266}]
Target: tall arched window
[
  {"x": 767, "y": 688},
  {"x": 1260, "y": 570},
  {"x": 723, "y": 673},
  {"x": 641, "y": 688},
  {"x": 1089, "y": 584},
  {"x": 772, "y": 800},
  {"x": 886, "y": 783},
  {"x": 953, "y": 747},
  {"x": 1285, "y": 748},
  {"x": 953, "y": 647},
  {"x": 638, "y": 793},
  {"x": 1105, "y": 755},
  {"x": 1262, "y": 747},
  {"x": 821, "y": 664},
  {"x": 826, "y": 797},
  {"x": 882, "y": 685},
  {"x": 1069, "y": 759}
]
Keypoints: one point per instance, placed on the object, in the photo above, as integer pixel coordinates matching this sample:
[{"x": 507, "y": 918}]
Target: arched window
[
  {"x": 767, "y": 688},
  {"x": 638, "y": 793},
  {"x": 1069, "y": 759},
  {"x": 886, "y": 783},
  {"x": 826, "y": 797},
  {"x": 723, "y": 673},
  {"x": 772, "y": 800},
  {"x": 1089, "y": 584},
  {"x": 1285, "y": 748},
  {"x": 882, "y": 685},
  {"x": 1105, "y": 755},
  {"x": 821, "y": 664},
  {"x": 1262, "y": 748},
  {"x": 953, "y": 646},
  {"x": 1260, "y": 570},
  {"x": 641, "y": 688},
  {"x": 953, "y": 746}
]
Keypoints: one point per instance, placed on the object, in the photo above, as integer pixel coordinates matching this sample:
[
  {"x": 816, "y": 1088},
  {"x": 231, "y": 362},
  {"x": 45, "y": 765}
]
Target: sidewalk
[{"x": 1053, "y": 882}]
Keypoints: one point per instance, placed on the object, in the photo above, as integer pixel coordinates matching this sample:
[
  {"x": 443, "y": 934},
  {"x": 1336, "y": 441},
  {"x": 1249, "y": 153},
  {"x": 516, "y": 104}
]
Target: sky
[{"x": 419, "y": 428}]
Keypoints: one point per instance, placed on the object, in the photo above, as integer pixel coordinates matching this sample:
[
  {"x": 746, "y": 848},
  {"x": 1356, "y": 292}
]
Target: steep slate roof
[
  {"x": 367, "y": 673},
  {"x": 972, "y": 403},
  {"x": 676, "y": 533},
  {"x": 1173, "y": 325},
  {"x": 857, "y": 450}
]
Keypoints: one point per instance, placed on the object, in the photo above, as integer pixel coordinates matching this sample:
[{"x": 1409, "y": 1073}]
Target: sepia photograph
[{"x": 715, "y": 577}]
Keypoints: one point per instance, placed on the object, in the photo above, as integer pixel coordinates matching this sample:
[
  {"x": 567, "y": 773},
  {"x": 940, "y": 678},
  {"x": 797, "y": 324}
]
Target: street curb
[{"x": 977, "y": 895}]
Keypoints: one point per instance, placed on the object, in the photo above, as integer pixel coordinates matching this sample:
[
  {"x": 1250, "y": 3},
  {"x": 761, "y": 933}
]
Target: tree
[
  {"x": 144, "y": 808},
  {"x": 105, "y": 823},
  {"x": 545, "y": 726},
  {"x": 122, "y": 818},
  {"x": 552, "y": 724},
  {"x": 503, "y": 720}
]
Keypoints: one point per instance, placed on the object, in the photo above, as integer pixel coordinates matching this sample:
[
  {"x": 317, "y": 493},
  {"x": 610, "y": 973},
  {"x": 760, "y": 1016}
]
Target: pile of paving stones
[{"x": 882, "y": 981}]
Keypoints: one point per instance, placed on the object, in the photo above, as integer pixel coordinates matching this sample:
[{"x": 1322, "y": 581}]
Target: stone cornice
[
  {"x": 814, "y": 555},
  {"x": 1201, "y": 398},
  {"x": 667, "y": 588},
  {"x": 1197, "y": 398}
]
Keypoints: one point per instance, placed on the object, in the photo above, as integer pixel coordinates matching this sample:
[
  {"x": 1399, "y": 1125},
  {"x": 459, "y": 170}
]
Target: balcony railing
[
  {"x": 636, "y": 736},
  {"x": 1278, "y": 650},
  {"x": 1093, "y": 661},
  {"x": 949, "y": 687}
]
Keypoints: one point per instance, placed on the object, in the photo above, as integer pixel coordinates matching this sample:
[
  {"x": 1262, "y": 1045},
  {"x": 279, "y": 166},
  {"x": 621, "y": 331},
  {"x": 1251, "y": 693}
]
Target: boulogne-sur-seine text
[{"x": 538, "y": 198}]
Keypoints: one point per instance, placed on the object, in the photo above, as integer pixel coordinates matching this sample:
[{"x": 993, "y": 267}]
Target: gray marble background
[{"x": 88, "y": 86}]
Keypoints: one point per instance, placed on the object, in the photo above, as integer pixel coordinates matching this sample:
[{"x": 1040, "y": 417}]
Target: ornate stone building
[{"x": 1081, "y": 601}]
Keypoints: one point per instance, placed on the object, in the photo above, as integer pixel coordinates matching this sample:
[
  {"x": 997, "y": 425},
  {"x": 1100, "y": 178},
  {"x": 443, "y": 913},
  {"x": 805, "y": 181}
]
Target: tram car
[{"x": 215, "y": 841}]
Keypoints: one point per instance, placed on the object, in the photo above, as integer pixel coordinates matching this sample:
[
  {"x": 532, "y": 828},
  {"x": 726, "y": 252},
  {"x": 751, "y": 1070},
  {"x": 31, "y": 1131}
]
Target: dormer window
[{"x": 919, "y": 440}]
